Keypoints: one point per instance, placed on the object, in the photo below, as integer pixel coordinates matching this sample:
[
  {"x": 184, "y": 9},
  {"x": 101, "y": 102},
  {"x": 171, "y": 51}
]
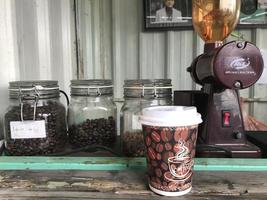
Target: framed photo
[
  {"x": 253, "y": 14},
  {"x": 164, "y": 15},
  {"x": 168, "y": 14}
]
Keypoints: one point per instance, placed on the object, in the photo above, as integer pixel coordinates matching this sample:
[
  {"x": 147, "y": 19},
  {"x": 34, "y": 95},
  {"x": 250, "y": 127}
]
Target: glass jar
[
  {"x": 92, "y": 113},
  {"x": 35, "y": 123},
  {"x": 139, "y": 94}
]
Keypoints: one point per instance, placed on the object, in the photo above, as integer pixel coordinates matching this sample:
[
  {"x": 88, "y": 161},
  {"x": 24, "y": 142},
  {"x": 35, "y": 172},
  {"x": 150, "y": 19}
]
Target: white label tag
[
  {"x": 27, "y": 129},
  {"x": 136, "y": 124}
]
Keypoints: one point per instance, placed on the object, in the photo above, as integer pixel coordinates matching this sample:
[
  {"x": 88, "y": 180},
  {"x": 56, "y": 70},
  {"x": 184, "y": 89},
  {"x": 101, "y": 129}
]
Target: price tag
[{"x": 27, "y": 129}]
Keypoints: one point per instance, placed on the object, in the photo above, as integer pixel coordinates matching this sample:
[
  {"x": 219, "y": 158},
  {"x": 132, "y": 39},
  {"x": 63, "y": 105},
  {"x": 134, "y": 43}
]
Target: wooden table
[
  {"x": 126, "y": 184},
  {"x": 28, "y": 178}
]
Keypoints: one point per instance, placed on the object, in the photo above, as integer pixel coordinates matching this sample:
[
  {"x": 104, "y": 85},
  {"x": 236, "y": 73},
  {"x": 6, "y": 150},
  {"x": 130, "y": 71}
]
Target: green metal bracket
[{"x": 119, "y": 163}]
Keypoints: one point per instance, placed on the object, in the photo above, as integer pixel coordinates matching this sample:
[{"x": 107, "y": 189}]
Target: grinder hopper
[{"x": 221, "y": 70}]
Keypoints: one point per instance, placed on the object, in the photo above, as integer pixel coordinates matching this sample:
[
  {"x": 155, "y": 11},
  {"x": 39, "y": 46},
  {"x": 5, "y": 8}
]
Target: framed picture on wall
[
  {"x": 168, "y": 14},
  {"x": 253, "y": 14},
  {"x": 177, "y": 14}
]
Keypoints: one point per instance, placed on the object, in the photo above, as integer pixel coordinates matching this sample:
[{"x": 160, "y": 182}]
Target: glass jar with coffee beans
[
  {"x": 92, "y": 113},
  {"x": 35, "y": 123},
  {"x": 139, "y": 94}
]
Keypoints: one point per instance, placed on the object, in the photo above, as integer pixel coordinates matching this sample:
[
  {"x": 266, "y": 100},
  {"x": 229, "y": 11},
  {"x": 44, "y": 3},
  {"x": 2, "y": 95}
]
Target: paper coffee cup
[{"x": 170, "y": 134}]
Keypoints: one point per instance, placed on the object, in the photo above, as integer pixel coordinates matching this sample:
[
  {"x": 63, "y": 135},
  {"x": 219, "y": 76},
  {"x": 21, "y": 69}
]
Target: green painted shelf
[{"x": 122, "y": 163}]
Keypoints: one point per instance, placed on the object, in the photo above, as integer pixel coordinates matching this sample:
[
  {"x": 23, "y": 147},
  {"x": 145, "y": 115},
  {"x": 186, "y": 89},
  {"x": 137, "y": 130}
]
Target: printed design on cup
[
  {"x": 181, "y": 164},
  {"x": 170, "y": 153}
]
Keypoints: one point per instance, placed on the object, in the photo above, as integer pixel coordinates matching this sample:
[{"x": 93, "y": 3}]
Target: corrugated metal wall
[
  {"x": 112, "y": 44},
  {"x": 38, "y": 41}
]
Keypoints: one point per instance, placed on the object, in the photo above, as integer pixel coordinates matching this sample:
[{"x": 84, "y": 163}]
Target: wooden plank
[
  {"x": 230, "y": 164},
  {"x": 125, "y": 185},
  {"x": 123, "y": 163},
  {"x": 74, "y": 163},
  {"x": 64, "y": 195}
]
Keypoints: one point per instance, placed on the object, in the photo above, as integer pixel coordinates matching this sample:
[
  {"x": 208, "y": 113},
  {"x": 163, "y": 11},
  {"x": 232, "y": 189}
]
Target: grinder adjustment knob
[
  {"x": 237, "y": 85},
  {"x": 240, "y": 45}
]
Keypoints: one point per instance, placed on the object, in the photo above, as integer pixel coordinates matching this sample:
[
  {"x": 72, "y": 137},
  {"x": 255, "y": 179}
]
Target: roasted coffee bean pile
[
  {"x": 95, "y": 131},
  {"x": 56, "y": 134},
  {"x": 133, "y": 144},
  {"x": 161, "y": 144}
]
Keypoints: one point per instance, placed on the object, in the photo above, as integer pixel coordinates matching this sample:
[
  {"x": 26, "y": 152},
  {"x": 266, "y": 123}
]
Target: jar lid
[
  {"x": 93, "y": 87},
  {"x": 170, "y": 116},
  {"x": 31, "y": 89},
  {"x": 148, "y": 88}
]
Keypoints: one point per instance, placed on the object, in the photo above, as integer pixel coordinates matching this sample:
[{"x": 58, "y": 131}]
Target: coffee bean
[
  {"x": 148, "y": 141},
  {"x": 150, "y": 169},
  {"x": 154, "y": 163},
  {"x": 164, "y": 166},
  {"x": 147, "y": 129},
  {"x": 166, "y": 135},
  {"x": 194, "y": 135},
  {"x": 155, "y": 136},
  {"x": 190, "y": 145},
  {"x": 158, "y": 156},
  {"x": 133, "y": 143},
  {"x": 184, "y": 134},
  {"x": 151, "y": 153},
  {"x": 168, "y": 146},
  {"x": 159, "y": 148},
  {"x": 102, "y": 131},
  {"x": 158, "y": 172},
  {"x": 177, "y": 134},
  {"x": 56, "y": 134}
]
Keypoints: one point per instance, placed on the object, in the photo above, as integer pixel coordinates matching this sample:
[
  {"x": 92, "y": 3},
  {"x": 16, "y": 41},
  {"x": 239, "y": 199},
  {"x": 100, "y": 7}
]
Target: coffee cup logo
[{"x": 181, "y": 164}]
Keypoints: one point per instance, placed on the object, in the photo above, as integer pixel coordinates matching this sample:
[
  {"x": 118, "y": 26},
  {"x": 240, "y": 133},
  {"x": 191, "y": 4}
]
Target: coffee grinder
[{"x": 221, "y": 70}]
